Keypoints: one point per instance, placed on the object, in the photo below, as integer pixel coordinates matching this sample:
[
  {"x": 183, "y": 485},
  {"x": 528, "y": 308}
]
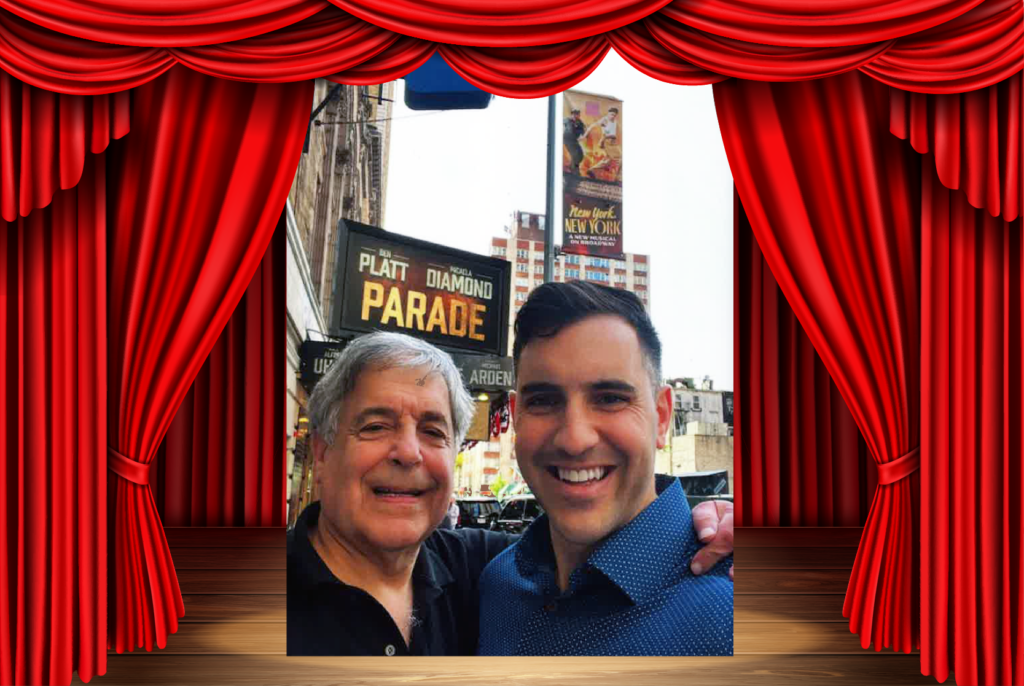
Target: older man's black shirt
[{"x": 328, "y": 617}]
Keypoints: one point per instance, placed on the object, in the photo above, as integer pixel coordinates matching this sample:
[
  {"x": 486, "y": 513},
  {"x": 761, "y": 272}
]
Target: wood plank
[
  {"x": 786, "y": 608},
  {"x": 243, "y": 581},
  {"x": 222, "y": 638},
  {"x": 791, "y": 558},
  {"x": 159, "y": 669},
  {"x": 798, "y": 536},
  {"x": 236, "y": 608},
  {"x": 797, "y": 638},
  {"x": 791, "y": 581},
  {"x": 229, "y": 558},
  {"x": 225, "y": 537}
]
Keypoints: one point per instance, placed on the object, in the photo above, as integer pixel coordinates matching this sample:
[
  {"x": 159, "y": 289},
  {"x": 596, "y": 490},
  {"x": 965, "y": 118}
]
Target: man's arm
[{"x": 713, "y": 522}]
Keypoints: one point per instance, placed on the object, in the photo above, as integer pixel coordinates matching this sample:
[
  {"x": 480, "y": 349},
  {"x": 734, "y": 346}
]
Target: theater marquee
[{"x": 393, "y": 283}]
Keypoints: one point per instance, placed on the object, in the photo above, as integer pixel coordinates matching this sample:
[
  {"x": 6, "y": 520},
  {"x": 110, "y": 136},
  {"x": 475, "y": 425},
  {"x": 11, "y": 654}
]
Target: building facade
[
  {"x": 524, "y": 247},
  {"x": 342, "y": 175}
]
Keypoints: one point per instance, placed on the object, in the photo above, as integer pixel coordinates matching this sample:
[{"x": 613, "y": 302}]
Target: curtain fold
[
  {"x": 975, "y": 140},
  {"x": 972, "y": 578},
  {"x": 976, "y": 50},
  {"x": 185, "y": 237},
  {"x": 800, "y": 460},
  {"x": 831, "y": 201},
  {"x": 323, "y": 44},
  {"x": 502, "y": 23},
  {"x": 524, "y": 72},
  {"x": 758, "y": 62},
  {"x": 636, "y": 45},
  {"x": 53, "y": 439},
  {"x": 503, "y": 49},
  {"x": 127, "y": 22},
  {"x": 815, "y": 25},
  {"x": 222, "y": 462},
  {"x": 44, "y": 138}
]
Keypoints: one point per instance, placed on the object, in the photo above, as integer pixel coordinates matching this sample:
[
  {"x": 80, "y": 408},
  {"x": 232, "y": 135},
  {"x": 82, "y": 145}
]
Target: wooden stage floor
[{"x": 789, "y": 627}]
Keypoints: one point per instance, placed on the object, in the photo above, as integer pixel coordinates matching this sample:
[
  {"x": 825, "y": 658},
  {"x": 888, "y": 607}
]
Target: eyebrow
[
  {"x": 613, "y": 385},
  {"x": 599, "y": 385},
  {"x": 541, "y": 387},
  {"x": 388, "y": 413},
  {"x": 369, "y": 412}
]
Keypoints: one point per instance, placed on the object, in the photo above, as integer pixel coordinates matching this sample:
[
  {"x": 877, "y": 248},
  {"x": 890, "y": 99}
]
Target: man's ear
[
  {"x": 319, "y": 447},
  {"x": 663, "y": 406}
]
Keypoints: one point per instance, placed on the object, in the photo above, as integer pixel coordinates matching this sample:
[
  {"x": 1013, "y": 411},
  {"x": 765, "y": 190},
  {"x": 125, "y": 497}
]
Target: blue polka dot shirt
[{"x": 635, "y": 594}]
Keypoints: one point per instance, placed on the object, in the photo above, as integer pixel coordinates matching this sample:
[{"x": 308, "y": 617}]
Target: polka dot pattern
[{"x": 635, "y": 595}]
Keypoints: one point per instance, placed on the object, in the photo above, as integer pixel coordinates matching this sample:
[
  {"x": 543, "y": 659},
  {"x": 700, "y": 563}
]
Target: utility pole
[{"x": 549, "y": 210}]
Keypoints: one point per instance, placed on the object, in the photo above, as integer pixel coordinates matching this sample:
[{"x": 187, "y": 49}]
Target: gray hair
[{"x": 379, "y": 351}]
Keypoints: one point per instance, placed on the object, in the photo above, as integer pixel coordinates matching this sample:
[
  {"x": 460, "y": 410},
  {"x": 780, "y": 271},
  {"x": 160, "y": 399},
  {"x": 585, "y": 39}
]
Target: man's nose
[
  {"x": 406, "y": 448},
  {"x": 578, "y": 433}
]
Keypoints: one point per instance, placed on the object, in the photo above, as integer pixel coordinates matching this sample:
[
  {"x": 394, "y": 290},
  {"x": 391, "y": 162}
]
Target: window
[
  {"x": 523, "y": 282},
  {"x": 572, "y": 273},
  {"x": 522, "y": 267},
  {"x": 598, "y": 262},
  {"x": 641, "y": 280},
  {"x": 572, "y": 259},
  {"x": 620, "y": 278},
  {"x": 498, "y": 252},
  {"x": 596, "y": 276},
  {"x": 523, "y": 253},
  {"x": 696, "y": 403},
  {"x": 639, "y": 266},
  {"x": 538, "y": 269},
  {"x": 520, "y": 296}
]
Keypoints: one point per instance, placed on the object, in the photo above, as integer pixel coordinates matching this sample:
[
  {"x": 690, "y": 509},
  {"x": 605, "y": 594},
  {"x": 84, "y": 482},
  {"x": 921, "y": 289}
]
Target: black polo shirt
[{"x": 328, "y": 617}]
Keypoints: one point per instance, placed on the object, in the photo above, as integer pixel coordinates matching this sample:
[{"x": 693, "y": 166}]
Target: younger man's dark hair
[{"x": 553, "y": 306}]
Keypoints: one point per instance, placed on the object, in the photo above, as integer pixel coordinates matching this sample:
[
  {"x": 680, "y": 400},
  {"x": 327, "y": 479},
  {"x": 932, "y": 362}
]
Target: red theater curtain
[
  {"x": 830, "y": 196},
  {"x": 222, "y": 462},
  {"x": 972, "y": 438},
  {"x": 53, "y": 438},
  {"x": 127, "y": 22},
  {"x": 799, "y": 458},
  {"x": 196, "y": 192},
  {"x": 975, "y": 140},
  {"x": 44, "y": 138}
]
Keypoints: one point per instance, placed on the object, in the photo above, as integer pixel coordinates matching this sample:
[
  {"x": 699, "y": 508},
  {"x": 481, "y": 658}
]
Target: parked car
[
  {"x": 477, "y": 513},
  {"x": 518, "y": 513}
]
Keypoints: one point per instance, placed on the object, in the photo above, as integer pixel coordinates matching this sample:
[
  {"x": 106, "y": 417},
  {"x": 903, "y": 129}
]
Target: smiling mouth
[
  {"x": 398, "y": 492},
  {"x": 580, "y": 476}
]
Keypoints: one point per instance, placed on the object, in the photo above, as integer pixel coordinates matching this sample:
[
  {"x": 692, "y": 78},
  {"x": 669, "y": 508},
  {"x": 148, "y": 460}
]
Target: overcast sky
[{"x": 456, "y": 177}]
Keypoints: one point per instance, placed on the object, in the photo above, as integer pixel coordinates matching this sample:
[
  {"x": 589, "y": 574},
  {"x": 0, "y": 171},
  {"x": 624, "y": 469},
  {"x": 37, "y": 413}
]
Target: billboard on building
[
  {"x": 591, "y": 175},
  {"x": 449, "y": 297}
]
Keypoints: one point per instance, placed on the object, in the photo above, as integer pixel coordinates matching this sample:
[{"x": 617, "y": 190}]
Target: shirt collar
[
  {"x": 429, "y": 573},
  {"x": 662, "y": 535}
]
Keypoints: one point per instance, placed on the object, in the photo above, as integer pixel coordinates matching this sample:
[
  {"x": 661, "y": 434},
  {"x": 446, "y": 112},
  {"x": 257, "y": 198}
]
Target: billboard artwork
[
  {"x": 591, "y": 175},
  {"x": 445, "y": 296}
]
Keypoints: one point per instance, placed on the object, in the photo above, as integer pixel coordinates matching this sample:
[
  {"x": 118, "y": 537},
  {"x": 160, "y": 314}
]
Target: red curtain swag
[
  {"x": 222, "y": 462},
  {"x": 541, "y": 47},
  {"x": 841, "y": 240},
  {"x": 972, "y": 436},
  {"x": 53, "y": 437},
  {"x": 799, "y": 458}
]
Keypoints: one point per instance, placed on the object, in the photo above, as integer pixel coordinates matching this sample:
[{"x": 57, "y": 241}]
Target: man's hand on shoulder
[{"x": 712, "y": 520}]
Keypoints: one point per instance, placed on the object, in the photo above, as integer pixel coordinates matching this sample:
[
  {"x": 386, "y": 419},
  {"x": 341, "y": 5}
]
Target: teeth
[{"x": 580, "y": 475}]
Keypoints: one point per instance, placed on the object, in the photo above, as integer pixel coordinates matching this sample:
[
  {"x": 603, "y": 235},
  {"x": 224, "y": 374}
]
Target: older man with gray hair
[{"x": 369, "y": 573}]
